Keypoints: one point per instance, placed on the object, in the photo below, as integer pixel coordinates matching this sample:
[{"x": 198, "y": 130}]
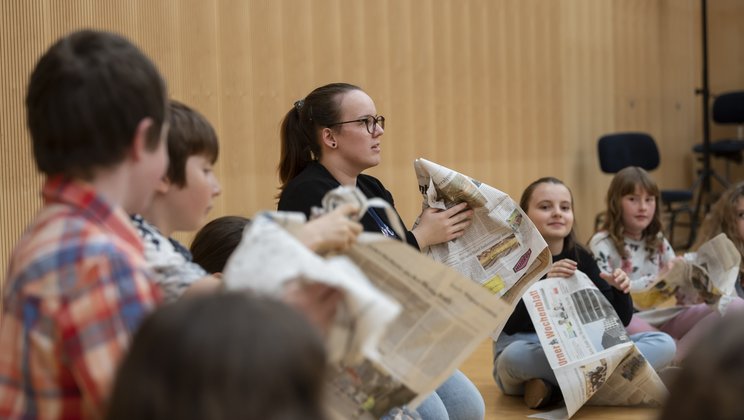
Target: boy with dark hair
[
  {"x": 182, "y": 200},
  {"x": 184, "y": 197},
  {"x": 77, "y": 283}
]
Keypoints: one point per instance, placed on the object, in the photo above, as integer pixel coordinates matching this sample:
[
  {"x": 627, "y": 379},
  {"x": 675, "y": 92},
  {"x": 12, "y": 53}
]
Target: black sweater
[
  {"x": 307, "y": 189},
  {"x": 520, "y": 321}
]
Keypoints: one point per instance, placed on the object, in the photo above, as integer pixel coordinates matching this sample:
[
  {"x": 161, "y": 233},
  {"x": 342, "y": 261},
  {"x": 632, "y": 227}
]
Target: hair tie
[{"x": 299, "y": 104}]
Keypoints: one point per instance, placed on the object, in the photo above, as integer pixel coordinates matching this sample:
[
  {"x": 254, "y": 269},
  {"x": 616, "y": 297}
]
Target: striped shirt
[{"x": 77, "y": 287}]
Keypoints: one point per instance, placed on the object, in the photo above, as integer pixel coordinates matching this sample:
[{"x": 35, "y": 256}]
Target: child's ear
[
  {"x": 139, "y": 150},
  {"x": 139, "y": 143},
  {"x": 163, "y": 185}
]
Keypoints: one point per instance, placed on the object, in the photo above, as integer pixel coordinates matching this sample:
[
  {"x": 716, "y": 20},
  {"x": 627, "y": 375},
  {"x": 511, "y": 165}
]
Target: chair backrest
[
  {"x": 620, "y": 150},
  {"x": 728, "y": 108}
]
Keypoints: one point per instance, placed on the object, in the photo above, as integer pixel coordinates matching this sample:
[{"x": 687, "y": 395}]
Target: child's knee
[
  {"x": 514, "y": 357},
  {"x": 735, "y": 306},
  {"x": 666, "y": 344},
  {"x": 514, "y": 353},
  {"x": 657, "y": 347},
  {"x": 502, "y": 361}
]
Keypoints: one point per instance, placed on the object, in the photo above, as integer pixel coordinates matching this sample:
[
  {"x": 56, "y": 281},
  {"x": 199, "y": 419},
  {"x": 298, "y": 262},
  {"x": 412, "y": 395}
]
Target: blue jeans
[
  {"x": 520, "y": 357},
  {"x": 456, "y": 399}
]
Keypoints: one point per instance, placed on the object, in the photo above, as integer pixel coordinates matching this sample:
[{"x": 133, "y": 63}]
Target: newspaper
[
  {"x": 586, "y": 344},
  {"x": 501, "y": 250},
  {"x": 706, "y": 276},
  {"x": 395, "y": 346},
  {"x": 405, "y": 324}
]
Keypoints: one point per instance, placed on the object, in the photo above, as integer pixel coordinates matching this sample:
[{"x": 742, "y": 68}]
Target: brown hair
[
  {"x": 216, "y": 241},
  {"x": 624, "y": 183},
  {"x": 86, "y": 97},
  {"x": 222, "y": 356},
  {"x": 190, "y": 134},
  {"x": 710, "y": 384},
  {"x": 299, "y": 132},
  {"x": 723, "y": 219}
]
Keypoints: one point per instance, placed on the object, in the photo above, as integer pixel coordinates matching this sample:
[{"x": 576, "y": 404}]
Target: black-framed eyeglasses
[{"x": 371, "y": 122}]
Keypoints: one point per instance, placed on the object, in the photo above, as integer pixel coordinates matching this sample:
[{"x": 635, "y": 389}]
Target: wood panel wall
[{"x": 503, "y": 90}]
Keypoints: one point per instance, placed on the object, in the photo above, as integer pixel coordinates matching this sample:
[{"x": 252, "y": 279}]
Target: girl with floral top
[{"x": 632, "y": 239}]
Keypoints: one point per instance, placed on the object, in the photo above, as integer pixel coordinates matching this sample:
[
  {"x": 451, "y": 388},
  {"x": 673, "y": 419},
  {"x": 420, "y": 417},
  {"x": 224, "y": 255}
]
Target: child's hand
[
  {"x": 618, "y": 279},
  {"x": 564, "y": 268},
  {"x": 317, "y": 301},
  {"x": 668, "y": 266},
  {"x": 205, "y": 285},
  {"x": 438, "y": 226},
  {"x": 334, "y": 231}
]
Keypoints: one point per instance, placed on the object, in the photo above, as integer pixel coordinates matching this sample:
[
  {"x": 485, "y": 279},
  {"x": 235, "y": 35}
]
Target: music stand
[{"x": 703, "y": 183}]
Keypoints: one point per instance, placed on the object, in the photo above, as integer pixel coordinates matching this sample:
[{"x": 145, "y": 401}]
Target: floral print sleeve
[
  {"x": 604, "y": 252},
  {"x": 667, "y": 252},
  {"x": 641, "y": 268}
]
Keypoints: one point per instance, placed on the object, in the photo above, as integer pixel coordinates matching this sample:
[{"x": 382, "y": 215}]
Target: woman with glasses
[{"x": 328, "y": 139}]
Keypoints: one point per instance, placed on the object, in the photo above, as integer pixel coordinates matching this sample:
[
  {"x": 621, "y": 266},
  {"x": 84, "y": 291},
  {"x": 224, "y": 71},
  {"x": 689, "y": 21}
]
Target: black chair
[
  {"x": 620, "y": 150},
  {"x": 728, "y": 108}
]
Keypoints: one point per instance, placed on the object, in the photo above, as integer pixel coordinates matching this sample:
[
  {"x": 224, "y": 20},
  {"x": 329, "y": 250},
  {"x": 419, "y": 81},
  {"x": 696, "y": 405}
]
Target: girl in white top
[{"x": 632, "y": 239}]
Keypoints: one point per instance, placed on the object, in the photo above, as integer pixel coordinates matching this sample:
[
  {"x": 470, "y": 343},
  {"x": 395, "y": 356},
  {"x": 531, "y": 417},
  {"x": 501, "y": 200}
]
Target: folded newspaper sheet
[
  {"x": 594, "y": 360},
  {"x": 407, "y": 321},
  {"x": 268, "y": 257},
  {"x": 502, "y": 249},
  {"x": 706, "y": 276}
]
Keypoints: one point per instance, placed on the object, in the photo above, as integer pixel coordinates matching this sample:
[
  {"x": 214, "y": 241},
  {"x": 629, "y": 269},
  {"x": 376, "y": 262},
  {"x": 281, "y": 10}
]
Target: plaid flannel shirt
[{"x": 76, "y": 290}]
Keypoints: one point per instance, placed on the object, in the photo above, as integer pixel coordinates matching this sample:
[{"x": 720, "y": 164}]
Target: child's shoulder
[
  {"x": 599, "y": 238},
  {"x": 159, "y": 249},
  {"x": 62, "y": 244},
  {"x": 55, "y": 226}
]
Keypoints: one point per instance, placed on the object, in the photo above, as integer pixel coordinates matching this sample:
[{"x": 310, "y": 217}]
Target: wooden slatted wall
[{"x": 505, "y": 91}]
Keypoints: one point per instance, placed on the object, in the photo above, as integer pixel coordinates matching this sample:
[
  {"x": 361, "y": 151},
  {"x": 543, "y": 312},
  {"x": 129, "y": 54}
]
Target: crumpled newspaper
[
  {"x": 706, "y": 276},
  {"x": 268, "y": 257},
  {"x": 348, "y": 194}
]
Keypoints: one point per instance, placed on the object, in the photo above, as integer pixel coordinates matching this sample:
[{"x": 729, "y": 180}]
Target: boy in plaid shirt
[{"x": 77, "y": 284}]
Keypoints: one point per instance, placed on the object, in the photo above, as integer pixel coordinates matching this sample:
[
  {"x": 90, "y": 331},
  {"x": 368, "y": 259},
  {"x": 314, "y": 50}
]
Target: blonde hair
[
  {"x": 723, "y": 219},
  {"x": 624, "y": 183}
]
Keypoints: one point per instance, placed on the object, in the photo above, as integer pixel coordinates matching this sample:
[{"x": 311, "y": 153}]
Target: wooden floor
[{"x": 498, "y": 406}]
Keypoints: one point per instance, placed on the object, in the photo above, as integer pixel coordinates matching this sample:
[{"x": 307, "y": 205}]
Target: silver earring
[{"x": 333, "y": 145}]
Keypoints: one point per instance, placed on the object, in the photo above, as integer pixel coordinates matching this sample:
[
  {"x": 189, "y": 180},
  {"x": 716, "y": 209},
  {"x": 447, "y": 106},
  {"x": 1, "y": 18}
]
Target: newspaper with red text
[{"x": 588, "y": 348}]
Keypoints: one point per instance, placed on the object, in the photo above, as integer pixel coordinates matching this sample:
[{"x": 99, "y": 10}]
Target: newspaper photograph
[
  {"x": 588, "y": 348},
  {"x": 706, "y": 276},
  {"x": 405, "y": 324},
  {"x": 501, "y": 250}
]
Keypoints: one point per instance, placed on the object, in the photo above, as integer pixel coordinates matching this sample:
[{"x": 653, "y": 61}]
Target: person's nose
[
  {"x": 378, "y": 130},
  {"x": 216, "y": 188}
]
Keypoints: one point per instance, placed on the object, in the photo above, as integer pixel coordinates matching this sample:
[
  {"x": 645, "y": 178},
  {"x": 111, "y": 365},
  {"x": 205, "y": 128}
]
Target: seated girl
[
  {"x": 520, "y": 366},
  {"x": 631, "y": 239}
]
